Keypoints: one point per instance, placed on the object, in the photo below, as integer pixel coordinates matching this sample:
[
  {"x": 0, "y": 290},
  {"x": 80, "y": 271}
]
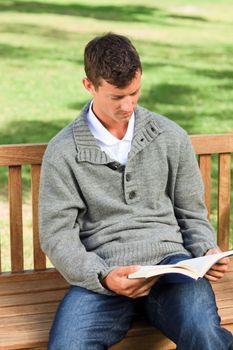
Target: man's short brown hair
[{"x": 111, "y": 57}]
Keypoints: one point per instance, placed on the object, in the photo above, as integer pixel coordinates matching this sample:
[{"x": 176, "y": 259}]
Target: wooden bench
[{"x": 28, "y": 299}]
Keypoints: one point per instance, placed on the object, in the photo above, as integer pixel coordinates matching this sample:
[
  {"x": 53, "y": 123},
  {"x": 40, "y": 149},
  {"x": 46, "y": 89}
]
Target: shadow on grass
[
  {"x": 24, "y": 54},
  {"x": 215, "y": 74},
  {"x": 30, "y": 131},
  {"x": 19, "y": 52},
  {"x": 175, "y": 94},
  {"x": 37, "y": 29},
  {"x": 107, "y": 12},
  {"x": 126, "y": 13},
  {"x": 190, "y": 18},
  {"x": 179, "y": 102}
]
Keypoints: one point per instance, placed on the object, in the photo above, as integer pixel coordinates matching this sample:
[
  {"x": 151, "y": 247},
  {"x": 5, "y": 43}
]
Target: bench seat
[
  {"x": 27, "y": 307},
  {"x": 28, "y": 303},
  {"x": 29, "y": 299}
]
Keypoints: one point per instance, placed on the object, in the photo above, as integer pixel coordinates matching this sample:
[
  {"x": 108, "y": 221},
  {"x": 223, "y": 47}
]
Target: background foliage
[{"x": 186, "y": 50}]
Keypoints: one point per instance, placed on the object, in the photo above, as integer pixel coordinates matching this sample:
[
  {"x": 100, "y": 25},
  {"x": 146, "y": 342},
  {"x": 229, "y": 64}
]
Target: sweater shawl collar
[{"x": 146, "y": 130}]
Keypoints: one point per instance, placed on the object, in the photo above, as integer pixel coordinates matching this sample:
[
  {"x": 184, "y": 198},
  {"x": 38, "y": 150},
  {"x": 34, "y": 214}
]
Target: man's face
[{"x": 114, "y": 105}]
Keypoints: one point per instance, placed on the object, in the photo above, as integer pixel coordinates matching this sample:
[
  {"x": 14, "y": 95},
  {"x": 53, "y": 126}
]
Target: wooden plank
[
  {"x": 29, "y": 275},
  {"x": 25, "y": 340},
  {"x": 45, "y": 347},
  {"x": 39, "y": 256},
  {"x": 229, "y": 327},
  {"x": 36, "y": 348},
  {"x": 32, "y": 298},
  {"x": 224, "y": 190},
  {"x": 16, "y": 221},
  {"x": 210, "y": 144},
  {"x": 21, "y": 154},
  {"x": 205, "y": 168},
  {"x": 22, "y": 287},
  {"x": 23, "y": 322},
  {"x": 225, "y": 304},
  {"x": 47, "y": 307},
  {"x": 150, "y": 342},
  {"x": 227, "y": 286}
]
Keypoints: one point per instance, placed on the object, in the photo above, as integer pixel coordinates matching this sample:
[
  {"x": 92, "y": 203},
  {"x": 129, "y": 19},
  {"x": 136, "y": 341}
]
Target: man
[{"x": 120, "y": 188}]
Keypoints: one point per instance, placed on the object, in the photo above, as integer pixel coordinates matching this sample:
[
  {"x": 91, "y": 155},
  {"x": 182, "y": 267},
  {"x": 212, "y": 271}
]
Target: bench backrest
[{"x": 16, "y": 156}]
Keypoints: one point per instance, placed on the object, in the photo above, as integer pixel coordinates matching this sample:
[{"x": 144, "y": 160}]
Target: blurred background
[{"x": 186, "y": 48}]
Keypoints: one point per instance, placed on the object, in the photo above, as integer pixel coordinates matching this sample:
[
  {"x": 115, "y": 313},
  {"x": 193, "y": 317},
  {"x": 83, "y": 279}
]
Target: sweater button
[
  {"x": 115, "y": 165},
  {"x": 132, "y": 195},
  {"x": 128, "y": 177}
]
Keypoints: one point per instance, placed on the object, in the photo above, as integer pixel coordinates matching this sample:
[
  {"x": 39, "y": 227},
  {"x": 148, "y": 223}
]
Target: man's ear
[{"x": 88, "y": 86}]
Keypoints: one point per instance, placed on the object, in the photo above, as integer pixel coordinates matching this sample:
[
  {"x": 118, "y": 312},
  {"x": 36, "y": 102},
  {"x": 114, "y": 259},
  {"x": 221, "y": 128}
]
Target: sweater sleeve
[
  {"x": 60, "y": 205},
  {"x": 189, "y": 206}
]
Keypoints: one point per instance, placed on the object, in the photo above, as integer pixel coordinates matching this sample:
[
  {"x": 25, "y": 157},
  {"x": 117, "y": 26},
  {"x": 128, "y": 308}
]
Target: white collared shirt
[{"x": 117, "y": 149}]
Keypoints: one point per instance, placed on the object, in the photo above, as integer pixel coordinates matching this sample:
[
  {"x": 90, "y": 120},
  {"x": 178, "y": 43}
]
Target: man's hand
[
  {"x": 117, "y": 281},
  {"x": 218, "y": 270}
]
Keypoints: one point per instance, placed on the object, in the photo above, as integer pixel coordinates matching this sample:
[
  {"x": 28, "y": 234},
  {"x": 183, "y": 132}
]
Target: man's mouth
[{"x": 127, "y": 114}]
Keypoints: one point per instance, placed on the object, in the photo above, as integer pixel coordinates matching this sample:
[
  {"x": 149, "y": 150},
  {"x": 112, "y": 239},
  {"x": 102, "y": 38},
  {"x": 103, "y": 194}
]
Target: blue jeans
[{"x": 185, "y": 312}]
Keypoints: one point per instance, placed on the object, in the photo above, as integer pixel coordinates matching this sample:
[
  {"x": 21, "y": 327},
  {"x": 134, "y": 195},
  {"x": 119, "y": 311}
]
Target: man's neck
[
  {"x": 115, "y": 128},
  {"x": 118, "y": 130}
]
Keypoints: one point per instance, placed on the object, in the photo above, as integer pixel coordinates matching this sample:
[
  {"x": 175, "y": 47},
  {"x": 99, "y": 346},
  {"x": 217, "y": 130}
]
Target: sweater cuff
[
  {"x": 93, "y": 282},
  {"x": 202, "y": 248}
]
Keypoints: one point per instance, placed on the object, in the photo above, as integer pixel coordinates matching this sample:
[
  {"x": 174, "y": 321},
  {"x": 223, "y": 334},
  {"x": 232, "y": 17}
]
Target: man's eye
[
  {"x": 135, "y": 93},
  {"x": 116, "y": 98}
]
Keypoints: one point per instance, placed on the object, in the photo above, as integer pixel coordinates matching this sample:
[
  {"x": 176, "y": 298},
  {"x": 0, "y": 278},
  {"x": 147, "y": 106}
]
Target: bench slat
[
  {"x": 39, "y": 256},
  {"x": 210, "y": 144},
  {"x": 16, "y": 218},
  {"x": 21, "y": 154},
  {"x": 205, "y": 168},
  {"x": 22, "y": 287},
  {"x": 22, "y": 322},
  {"x": 29, "y": 309},
  {"x": 30, "y": 275},
  {"x": 224, "y": 190},
  {"x": 150, "y": 341},
  {"x": 26, "y": 340},
  {"x": 31, "y": 298}
]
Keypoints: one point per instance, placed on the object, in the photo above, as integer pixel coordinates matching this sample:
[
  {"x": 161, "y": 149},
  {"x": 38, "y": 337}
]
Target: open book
[{"x": 194, "y": 268}]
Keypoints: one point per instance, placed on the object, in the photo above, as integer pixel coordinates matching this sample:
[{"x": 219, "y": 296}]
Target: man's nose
[{"x": 127, "y": 104}]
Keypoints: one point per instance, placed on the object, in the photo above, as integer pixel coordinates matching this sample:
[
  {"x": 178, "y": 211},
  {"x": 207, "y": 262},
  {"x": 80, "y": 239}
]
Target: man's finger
[
  {"x": 211, "y": 278},
  {"x": 224, "y": 261},
  {"x": 216, "y": 274}
]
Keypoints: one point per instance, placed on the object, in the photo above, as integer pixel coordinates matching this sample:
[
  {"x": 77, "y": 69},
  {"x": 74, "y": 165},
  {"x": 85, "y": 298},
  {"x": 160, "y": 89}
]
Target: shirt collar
[{"x": 102, "y": 134}]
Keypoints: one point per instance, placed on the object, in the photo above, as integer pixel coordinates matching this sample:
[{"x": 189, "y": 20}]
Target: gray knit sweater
[{"x": 96, "y": 214}]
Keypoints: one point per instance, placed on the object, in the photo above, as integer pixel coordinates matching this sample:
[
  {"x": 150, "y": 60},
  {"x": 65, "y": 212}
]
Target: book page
[
  {"x": 202, "y": 264},
  {"x": 194, "y": 268},
  {"x": 158, "y": 270}
]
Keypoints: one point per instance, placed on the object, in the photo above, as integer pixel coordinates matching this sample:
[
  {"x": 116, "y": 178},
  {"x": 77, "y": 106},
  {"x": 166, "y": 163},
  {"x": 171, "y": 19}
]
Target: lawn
[{"x": 186, "y": 51}]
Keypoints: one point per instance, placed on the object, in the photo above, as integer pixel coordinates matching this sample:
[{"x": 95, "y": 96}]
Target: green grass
[{"x": 186, "y": 51}]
